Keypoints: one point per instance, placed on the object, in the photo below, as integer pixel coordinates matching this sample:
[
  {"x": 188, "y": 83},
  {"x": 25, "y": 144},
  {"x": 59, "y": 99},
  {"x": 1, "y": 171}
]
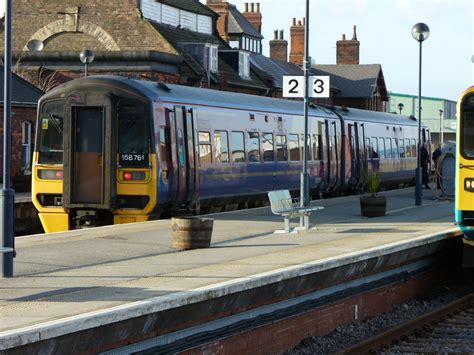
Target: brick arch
[{"x": 62, "y": 26}]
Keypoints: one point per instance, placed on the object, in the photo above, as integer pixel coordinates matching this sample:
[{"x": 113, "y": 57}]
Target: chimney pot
[
  {"x": 299, "y": 23},
  {"x": 354, "y": 36},
  {"x": 252, "y": 7},
  {"x": 275, "y": 34},
  {"x": 304, "y": 21},
  {"x": 258, "y": 7},
  {"x": 246, "y": 7},
  {"x": 294, "y": 21},
  {"x": 281, "y": 34},
  {"x": 343, "y": 37}
]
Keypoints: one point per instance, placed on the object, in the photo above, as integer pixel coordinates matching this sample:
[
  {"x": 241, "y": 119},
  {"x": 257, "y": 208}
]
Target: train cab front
[
  {"x": 94, "y": 163},
  {"x": 464, "y": 202}
]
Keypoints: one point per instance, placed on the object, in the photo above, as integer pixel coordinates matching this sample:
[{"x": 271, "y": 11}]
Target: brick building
[
  {"x": 25, "y": 97},
  {"x": 170, "y": 40}
]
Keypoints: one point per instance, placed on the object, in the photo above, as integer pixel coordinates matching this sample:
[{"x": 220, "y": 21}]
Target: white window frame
[
  {"x": 244, "y": 64},
  {"x": 213, "y": 58}
]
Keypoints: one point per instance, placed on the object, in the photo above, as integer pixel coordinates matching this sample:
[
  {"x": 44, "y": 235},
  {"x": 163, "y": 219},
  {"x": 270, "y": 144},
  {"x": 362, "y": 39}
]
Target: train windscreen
[
  {"x": 134, "y": 134},
  {"x": 50, "y": 137},
  {"x": 467, "y": 127}
]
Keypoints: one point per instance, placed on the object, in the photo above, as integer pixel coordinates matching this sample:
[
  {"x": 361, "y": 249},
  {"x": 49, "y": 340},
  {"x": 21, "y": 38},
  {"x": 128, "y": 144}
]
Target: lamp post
[
  {"x": 400, "y": 107},
  {"x": 307, "y": 65},
  {"x": 440, "y": 127},
  {"x": 420, "y": 32},
  {"x": 86, "y": 57},
  {"x": 7, "y": 195}
]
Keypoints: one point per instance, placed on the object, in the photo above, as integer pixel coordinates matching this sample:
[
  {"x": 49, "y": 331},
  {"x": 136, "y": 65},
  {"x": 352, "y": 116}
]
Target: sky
[{"x": 384, "y": 31}]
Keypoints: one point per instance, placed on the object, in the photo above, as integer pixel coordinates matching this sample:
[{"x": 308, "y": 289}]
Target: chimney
[
  {"x": 279, "y": 47},
  {"x": 348, "y": 50},
  {"x": 253, "y": 16},
  {"x": 222, "y": 8},
  {"x": 297, "y": 42}
]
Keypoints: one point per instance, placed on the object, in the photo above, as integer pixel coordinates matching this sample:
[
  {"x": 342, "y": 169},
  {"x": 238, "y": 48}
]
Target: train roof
[{"x": 181, "y": 94}]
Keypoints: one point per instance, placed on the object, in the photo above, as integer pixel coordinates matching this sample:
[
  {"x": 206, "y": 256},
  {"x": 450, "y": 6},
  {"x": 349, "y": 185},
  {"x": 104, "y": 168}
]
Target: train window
[
  {"x": 50, "y": 137},
  {"x": 388, "y": 148},
  {"x": 368, "y": 146},
  {"x": 282, "y": 151},
  {"x": 466, "y": 123},
  {"x": 395, "y": 151},
  {"x": 268, "y": 147},
  {"x": 133, "y": 133},
  {"x": 407, "y": 148},
  {"x": 294, "y": 146},
  {"x": 165, "y": 154},
  {"x": 205, "y": 151},
  {"x": 238, "y": 147},
  {"x": 413, "y": 148},
  {"x": 317, "y": 147},
  {"x": 401, "y": 148},
  {"x": 375, "y": 148},
  {"x": 221, "y": 146},
  {"x": 382, "y": 148},
  {"x": 254, "y": 147}
]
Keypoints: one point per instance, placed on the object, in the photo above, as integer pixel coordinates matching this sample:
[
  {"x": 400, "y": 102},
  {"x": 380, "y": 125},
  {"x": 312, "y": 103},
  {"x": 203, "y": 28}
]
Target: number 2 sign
[{"x": 293, "y": 86}]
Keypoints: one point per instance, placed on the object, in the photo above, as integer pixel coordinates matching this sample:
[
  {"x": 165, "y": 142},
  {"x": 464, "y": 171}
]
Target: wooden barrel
[{"x": 191, "y": 232}]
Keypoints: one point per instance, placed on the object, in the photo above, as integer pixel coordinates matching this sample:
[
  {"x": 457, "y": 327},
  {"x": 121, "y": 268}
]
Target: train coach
[
  {"x": 113, "y": 150},
  {"x": 464, "y": 190}
]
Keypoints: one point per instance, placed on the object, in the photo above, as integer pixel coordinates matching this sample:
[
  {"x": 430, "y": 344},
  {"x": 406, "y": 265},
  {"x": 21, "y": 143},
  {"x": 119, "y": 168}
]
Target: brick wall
[
  {"x": 253, "y": 15},
  {"x": 74, "y": 24},
  {"x": 20, "y": 114},
  {"x": 222, "y": 8},
  {"x": 347, "y": 51}
]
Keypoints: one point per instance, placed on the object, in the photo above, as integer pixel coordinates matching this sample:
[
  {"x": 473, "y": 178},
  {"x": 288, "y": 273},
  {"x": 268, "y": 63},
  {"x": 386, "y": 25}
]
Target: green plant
[{"x": 373, "y": 183}]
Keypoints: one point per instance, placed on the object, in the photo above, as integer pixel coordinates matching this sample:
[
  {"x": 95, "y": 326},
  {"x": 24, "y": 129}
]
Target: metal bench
[{"x": 283, "y": 205}]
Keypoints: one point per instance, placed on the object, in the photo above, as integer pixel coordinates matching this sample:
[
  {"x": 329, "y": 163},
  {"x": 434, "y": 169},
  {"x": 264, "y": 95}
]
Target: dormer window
[
  {"x": 244, "y": 65},
  {"x": 204, "y": 53},
  {"x": 213, "y": 58}
]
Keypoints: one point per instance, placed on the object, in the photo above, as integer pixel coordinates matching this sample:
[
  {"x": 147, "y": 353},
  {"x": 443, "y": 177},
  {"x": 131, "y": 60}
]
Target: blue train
[{"x": 113, "y": 150}]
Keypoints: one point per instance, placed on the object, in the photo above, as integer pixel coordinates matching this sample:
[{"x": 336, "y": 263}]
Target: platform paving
[{"x": 69, "y": 281}]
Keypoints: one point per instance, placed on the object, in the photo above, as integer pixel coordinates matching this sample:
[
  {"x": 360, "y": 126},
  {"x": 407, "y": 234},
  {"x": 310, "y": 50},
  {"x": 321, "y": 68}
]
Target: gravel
[{"x": 356, "y": 332}]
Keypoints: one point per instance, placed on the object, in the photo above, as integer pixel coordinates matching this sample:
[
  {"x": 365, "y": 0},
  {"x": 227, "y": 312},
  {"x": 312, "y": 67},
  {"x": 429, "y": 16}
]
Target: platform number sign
[{"x": 293, "y": 86}]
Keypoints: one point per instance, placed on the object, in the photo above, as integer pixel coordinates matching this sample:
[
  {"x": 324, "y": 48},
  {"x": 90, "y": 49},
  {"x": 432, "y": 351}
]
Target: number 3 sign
[{"x": 293, "y": 86}]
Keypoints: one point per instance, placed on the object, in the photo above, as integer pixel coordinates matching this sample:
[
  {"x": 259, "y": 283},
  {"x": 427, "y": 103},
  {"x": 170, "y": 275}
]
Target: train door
[
  {"x": 335, "y": 166},
  {"x": 183, "y": 145},
  {"x": 359, "y": 150},
  {"x": 87, "y": 164}
]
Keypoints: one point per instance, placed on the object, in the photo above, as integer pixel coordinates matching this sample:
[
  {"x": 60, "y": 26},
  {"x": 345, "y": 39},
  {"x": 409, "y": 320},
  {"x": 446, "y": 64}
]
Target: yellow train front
[
  {"x": 94, "y": 161},
  {"x": 464, "y": 204}
]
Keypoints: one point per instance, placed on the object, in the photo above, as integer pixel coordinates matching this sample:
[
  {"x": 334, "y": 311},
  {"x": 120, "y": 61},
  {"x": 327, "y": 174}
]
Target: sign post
[{"x": 306, "y": 87}]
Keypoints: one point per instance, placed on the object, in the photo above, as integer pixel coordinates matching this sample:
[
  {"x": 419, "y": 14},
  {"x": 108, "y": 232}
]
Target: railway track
[{"x": 448, "y": 329}]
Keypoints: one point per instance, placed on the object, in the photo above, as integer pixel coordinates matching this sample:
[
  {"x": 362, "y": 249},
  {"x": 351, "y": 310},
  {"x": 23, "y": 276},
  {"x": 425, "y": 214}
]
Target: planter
[
  {"x": 191, "y": 232},
  {"x": 373, "y": 206}
]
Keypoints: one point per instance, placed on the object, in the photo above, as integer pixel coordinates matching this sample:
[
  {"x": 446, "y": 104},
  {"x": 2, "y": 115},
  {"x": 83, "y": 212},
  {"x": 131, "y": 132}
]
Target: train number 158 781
[{"x": 135, "y": 159}]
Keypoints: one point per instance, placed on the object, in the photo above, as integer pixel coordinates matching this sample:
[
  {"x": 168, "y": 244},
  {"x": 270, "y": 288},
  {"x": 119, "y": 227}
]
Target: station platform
[{"x": 82, "y": 280}]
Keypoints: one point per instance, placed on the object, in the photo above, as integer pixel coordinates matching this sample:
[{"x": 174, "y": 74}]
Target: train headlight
[
  {"x": 48, "y": 174},
  {"x": 469, "y": 184},
  {"x": 133, "y": 175}
]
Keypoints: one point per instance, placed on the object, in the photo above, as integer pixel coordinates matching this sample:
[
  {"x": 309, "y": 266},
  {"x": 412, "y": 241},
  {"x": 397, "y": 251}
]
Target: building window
[
  {"x": 26, "y": 148},
  {"x": 213, "y": 63},
  {"x": 244, "y": 65},
  {"x": 234, "y": 44}
]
